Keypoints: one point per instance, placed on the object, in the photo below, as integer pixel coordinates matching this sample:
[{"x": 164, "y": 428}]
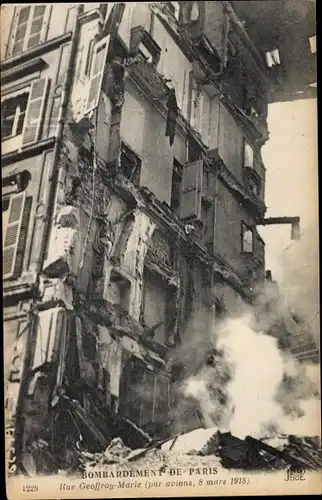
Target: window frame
[
  {"x": 272, "y": 58},
  {"x": 92, "y": 101},
  {"x": 13, "y": 274},
  {"x": 135, "y": 160},
  {"x": 14, "y": 28},
  {"x": 247, "y": 145},
  {"x": 175, "y": 8},
  {"x": 312, "y": 44},
  {"x": 245, "y": 228},
  {"x": 177, "y": 173},
  {"x": 7, "y": 97}
]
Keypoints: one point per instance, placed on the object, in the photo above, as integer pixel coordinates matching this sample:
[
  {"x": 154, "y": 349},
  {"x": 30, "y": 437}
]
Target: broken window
[
  {"x": 15, "y": 183},
  {"x": 272, "y": 58},
  {"x": 148, "y": 49},
  {"x": 248, "y": 155},
  {"x": 130, "y": 164},
  {"x": 22, "y": 114},
  {"x": 194, "y": 13},
  {"x": 194, "y": 150},
  {"x": 119, "y": 290},
  {"x": 192, "y": 186},
  {"x": 312, "y": 42},
  {"x": 247, "y": 239},
  {"x": 15, "y": 218},
  {"x": 207, "y": 214},
  {"x": 255, "y": 186},
  {"x": 175, "y": 9},
  {"x": 176, "y": 185},
  {"x": 29, "y": 28},
  {"x": 144, "y": 396},
  {"x": 157, "y": 303},
  {"x": 144, "y": 52},
  {"x": 250, "y": 105}
]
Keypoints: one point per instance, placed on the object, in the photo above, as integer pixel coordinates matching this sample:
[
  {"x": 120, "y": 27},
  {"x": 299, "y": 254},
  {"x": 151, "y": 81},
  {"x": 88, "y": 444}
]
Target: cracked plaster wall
[
  {"x": 136, "y": 237},
  {"x": 151, "y": 144}
]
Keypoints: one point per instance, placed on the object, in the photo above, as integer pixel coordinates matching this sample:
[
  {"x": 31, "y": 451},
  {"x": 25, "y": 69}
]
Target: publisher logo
[{"x": 295, "y": 474}]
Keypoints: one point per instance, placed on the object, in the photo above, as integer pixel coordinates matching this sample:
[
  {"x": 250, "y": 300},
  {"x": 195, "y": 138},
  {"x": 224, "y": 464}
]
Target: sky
[{"x": 290, "y": 158}]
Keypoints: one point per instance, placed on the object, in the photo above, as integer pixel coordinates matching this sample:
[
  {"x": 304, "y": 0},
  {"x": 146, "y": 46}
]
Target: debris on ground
[
  {"x": 190, "y": 442},
  {"x": 256, "y": 454},
  {"x": 205, "y": 447}
]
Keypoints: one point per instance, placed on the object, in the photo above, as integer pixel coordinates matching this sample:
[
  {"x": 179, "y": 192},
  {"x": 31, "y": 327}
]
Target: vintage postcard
[{"x": 160, "y": 249}]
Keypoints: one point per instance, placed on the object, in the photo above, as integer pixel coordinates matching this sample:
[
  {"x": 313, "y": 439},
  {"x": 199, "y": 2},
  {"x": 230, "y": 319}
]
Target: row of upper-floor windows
[
  {"x": 30, "y": 27},
  {"x": 192, "y": 191}
]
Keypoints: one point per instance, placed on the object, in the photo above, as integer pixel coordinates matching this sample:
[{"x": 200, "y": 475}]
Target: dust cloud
[{"x": 240, "y": 378}]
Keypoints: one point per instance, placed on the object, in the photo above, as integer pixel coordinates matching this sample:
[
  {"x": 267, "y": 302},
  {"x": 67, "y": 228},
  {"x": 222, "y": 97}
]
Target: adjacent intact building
[{"x": 132, "y": 186}]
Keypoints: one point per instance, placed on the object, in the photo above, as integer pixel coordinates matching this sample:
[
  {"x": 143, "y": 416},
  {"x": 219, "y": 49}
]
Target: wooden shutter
[
  {"x": 36, "y": 26},
  {"x": 191, "y": 190},
  {"x": 22, "y": 237},
  {"x": 191, "y": 100},
  {"x": 35, "y": 111},
  {"x": 20, "y": 31},
  {"x": 11, "y": 238},
  {"x": 30, "y": 27},
  {"x": 97, "y": 73},
  {"x": 248, "y": 155}
]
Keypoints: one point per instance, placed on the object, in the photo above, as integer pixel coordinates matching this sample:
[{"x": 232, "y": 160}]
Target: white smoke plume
[
  {"x": 258, "y": 372},
  {"x": 252, "y": 387}
]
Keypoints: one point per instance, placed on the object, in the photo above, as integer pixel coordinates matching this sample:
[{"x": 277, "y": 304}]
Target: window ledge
[
  {"x": 10, "y": 144},
  {"x": 14, "y": 61},
  {"x": 31, "y": 150},
  {"x": 19, "y": 286},
  {"x": 22, "y": 69}
]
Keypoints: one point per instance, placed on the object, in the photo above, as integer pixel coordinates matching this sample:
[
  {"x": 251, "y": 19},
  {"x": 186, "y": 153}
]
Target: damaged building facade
[{"x": 133, "y": 185}]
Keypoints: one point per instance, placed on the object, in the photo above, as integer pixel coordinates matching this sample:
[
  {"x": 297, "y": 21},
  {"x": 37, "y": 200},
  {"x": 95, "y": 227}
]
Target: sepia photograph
[{"x": 161, "y": 309}]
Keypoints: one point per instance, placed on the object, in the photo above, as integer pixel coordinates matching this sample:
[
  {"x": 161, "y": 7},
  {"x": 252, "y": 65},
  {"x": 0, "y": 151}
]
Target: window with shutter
[
  {"x": 35, "y": 111},
  {"x": 191, "y": 190},
  {"x": 30, "y": 28},
  {"x": 97, "y": 73},
  {"x": 248, "y": 155},
  {"x": 13, "y": 221},
  {"x": 13, "y": 111}
]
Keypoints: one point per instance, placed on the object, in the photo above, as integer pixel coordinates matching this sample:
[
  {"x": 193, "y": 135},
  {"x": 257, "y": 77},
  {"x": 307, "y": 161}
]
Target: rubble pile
[
  {"x": 221, "y": 450},
  {"x": 119, "y": 456},
  {"x": 256, "y": 454}
]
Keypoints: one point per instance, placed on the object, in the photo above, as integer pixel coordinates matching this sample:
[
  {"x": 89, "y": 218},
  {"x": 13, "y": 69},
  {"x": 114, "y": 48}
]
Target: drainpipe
[
  {"x": 54, "y": 175},
  {"x": 55, "y": 170}
]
